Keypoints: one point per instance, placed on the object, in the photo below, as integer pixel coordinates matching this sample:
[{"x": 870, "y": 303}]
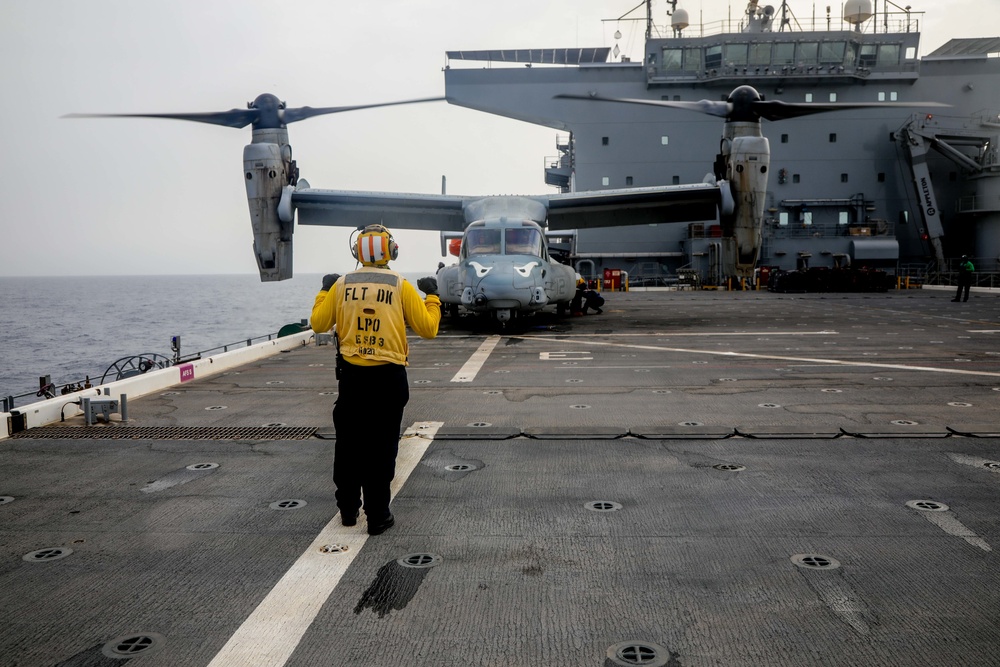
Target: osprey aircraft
[{"x": 505, "y": 268}]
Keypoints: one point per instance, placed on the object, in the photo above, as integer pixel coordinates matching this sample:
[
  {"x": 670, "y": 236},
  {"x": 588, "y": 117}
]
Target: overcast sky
[{"x": 135, "y": 196}]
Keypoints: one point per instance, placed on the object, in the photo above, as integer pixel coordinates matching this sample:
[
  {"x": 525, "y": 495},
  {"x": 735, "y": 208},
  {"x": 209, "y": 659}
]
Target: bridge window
[
  {"x": 628, "y": 180},
  {"x": 809, "y": 97},
  {"x": 523, "y": 241},
  {"x": 692, "y": 59},
  {"x": 808, "y": 53},
  {"x": 843, "y": 218},
  {"x": 713, "y": 56},
  {"x": 831, "y": 53},
  {"x": 664, "y": 140},
  {"x": 867, "y": 56},
  {"x": 888, "y": 55},
  {"x": 833, "y": 97},
  {"x": 760, "y": 54},
  {"x": 736, "y": 54},
  {"x": 784, "y": 54},
  {"x": 481, "y": 242},
  {"x": 833, "y": 137},
  {"x": 843, "y": 178},
  {"x": 604, "y": 141},
  {"x": 605, "y": 181},
  {"x": 784, "y": 138},
  {"x": 672, "y": 59}
]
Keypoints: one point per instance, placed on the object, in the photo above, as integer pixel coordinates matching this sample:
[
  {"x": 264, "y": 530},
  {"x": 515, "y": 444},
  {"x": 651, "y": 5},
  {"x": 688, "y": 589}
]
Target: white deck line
[
  {"x": 471, "y": 368},
  {"x": 271, "y": 633}
]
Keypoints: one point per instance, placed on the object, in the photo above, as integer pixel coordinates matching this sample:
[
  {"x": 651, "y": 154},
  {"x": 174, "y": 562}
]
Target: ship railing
[
  {"x": 891, "y": 22},
  {"x": 49, "y": 389}
]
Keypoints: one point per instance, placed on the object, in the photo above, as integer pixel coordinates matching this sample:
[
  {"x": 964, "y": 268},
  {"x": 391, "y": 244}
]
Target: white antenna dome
[
  {"x": 679, "y": 19},
  {"x": 857, "y": 11}
]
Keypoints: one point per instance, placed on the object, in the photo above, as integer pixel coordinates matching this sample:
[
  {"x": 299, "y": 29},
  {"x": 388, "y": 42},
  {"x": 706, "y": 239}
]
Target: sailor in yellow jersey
[{"x": 370, "y": 308}]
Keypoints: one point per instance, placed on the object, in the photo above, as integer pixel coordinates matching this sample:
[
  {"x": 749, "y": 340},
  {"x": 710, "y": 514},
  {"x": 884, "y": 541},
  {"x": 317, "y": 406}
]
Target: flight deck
[{"x": 689, "y": 478}]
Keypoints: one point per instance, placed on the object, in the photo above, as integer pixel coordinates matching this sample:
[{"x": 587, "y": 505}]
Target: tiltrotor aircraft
[{"x": 505, "y": 268}]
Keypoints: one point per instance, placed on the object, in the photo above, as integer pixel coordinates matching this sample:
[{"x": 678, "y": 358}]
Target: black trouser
[
  {"x": 367, "y": 417},
  {"x": 963, "y": 286}
]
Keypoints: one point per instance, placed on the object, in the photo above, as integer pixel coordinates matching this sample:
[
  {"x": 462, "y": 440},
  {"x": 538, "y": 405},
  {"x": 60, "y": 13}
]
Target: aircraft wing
[
  {"x": 345, "y": 208},
  {"x": 633, "y": 206}
]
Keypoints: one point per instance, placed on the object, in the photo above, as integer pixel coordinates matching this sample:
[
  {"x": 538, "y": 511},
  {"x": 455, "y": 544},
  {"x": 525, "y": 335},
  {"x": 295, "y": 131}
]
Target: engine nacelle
[{"x": 265, "y": 175}]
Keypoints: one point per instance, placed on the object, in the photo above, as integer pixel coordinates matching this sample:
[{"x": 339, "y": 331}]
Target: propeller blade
[
  {"x": 778, "y": 110},
  {"x": 235, "y": 118},
  {"x": 712, "y": 108},
  {"x": 302, "y": 113}
]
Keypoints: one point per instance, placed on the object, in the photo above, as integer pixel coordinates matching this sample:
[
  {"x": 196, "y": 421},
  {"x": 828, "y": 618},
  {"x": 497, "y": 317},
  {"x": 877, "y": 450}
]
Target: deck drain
[
  {"x": 493, "y": 392},
  {"x": 574, "y": 381},
  {"x": 480, "y": 424},
  {"x": 442, "y": 363},
  {"x": 727, "y": 379},
  {"x": 328, "y": 393},
  {"x": 202, "y": 466},
  {"x": 289, "y": 504},
  {"x": 315, "y": 365},
  {"x": 420, "y": 560},
  {"x": 927, "y": 506},
  {"x": 661, "y": 391},
  {"x": 690, "y": 424},
  {"x": 729, "y": 467},
  {"x": 816, "y": 562},
  {"x": 768, "y": 405},
  {"x": 992, "y": 465},
  {"x": 334, "y": 548},
  {"x": 881, "y": 378},
  {"x": 273, "y": 425},
  {"x": 602, "y": 506},
  {"x": 638, "y": 653},
  {"x": 421, "y": 382},
  {"x": 641, "y": 370},
  {"x": 832, "y": 391},
  {"x": 580, "y": 407},
  {"x": 130, "y": 646},
  {"x": 903, "y": 422},
  {"x": 217, "y": 407},
  {"x": 171, "y": 393},
  {"x": 958, "y": 404},
  {"x": 275, "y": 382},
  {"x": 47, "y": 554},
  {"x": 6, "y": 499},
  {"x": 460, "y": 467}
]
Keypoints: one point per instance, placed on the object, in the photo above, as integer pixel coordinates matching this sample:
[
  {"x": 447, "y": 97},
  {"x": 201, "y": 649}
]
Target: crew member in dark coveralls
[
  {"x": 965, "y": 271},
  {"x": 371, "y": 308}
]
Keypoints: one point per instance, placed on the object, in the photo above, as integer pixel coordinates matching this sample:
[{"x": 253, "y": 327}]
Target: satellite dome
[
  {"x": 679, "y": 20},
  {"x": 857, "y": 11}
]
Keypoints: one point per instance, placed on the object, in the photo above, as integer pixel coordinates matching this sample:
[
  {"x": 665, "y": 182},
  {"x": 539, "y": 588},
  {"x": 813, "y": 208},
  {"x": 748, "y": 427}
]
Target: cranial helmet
[{"x": 375, "y": 246}]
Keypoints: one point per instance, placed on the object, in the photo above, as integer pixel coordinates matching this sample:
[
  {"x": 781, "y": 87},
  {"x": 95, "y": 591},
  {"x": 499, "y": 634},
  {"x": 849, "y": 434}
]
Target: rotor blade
[
  {"x": 301, "y": 113},
  {"x": 234, "y": 118},
  {"x": 712, "y": 108},
  {"x": 778, "y": 110}
]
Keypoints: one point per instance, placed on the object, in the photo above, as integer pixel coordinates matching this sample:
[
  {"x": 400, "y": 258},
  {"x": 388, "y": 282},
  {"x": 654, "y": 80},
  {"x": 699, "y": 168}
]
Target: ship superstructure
[{"x": 906, "y": 190}]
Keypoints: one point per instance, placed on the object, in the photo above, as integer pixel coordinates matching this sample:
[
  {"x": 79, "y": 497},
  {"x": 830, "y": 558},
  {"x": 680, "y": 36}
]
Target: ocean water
[{"x": 72, "y": 327}]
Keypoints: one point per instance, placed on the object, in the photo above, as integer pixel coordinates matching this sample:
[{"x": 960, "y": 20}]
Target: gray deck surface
[{"x": 734, "y": 439}]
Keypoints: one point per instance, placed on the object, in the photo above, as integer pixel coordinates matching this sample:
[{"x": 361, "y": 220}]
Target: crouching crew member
[{"x": 371, "y": 308}]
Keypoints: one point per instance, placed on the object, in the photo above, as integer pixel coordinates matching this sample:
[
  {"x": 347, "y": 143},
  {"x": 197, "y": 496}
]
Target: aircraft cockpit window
[
  {"x": 524, "y": 241},
  {"x": 482, "y": 242}
]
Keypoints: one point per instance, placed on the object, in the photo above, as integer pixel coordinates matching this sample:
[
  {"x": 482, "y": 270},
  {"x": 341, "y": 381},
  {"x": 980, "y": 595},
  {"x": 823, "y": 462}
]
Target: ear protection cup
[{"x": 375, "y": 246}]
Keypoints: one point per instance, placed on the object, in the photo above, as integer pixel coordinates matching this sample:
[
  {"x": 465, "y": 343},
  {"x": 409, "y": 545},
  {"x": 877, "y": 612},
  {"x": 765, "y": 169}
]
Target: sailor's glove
[
  {"x": 428, "y": 285},
  {"x": 329, "y": 279}
]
